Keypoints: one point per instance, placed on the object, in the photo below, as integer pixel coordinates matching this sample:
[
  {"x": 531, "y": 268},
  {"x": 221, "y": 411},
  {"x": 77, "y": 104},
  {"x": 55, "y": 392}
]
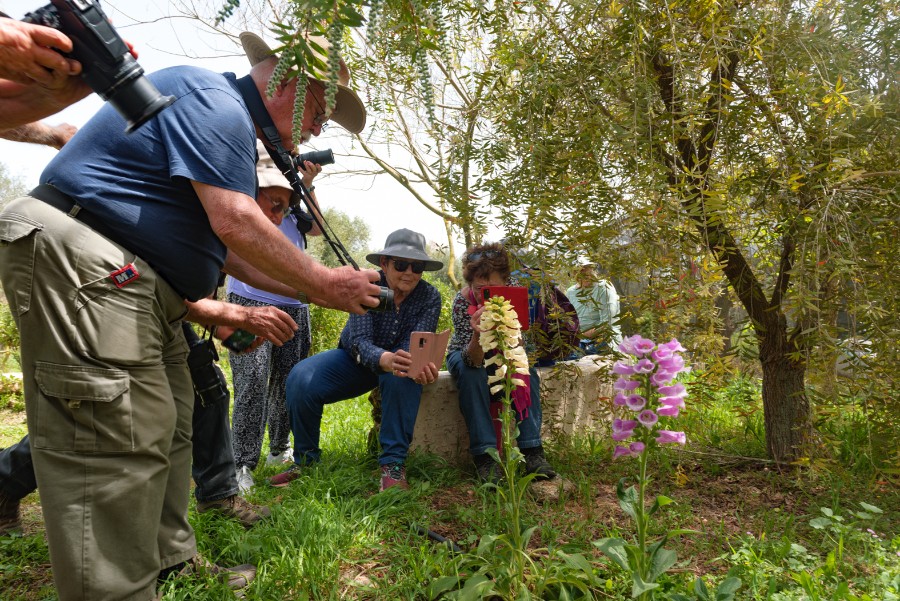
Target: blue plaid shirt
[{"x": 366, "y": 337}]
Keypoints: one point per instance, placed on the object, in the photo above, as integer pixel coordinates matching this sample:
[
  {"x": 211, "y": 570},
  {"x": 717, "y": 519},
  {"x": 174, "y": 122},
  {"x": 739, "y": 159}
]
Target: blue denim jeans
[
  {"x": 212, "y": 467},
  {"x": 334, "y": 376},
  {"x": 475, "y": 401}
]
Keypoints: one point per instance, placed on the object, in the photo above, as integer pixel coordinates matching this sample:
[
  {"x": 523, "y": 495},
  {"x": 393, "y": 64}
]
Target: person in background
[
  {"x": 597, "y": 303},
  {"x": 489, "y": 265},
  {"x": 373, "y": 352},
  {"x": 259, "y": 376}
]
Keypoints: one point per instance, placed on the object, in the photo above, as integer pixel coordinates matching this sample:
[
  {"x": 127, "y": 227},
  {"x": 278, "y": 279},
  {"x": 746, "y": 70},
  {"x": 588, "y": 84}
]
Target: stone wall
[{"x": 575, "y": 397}]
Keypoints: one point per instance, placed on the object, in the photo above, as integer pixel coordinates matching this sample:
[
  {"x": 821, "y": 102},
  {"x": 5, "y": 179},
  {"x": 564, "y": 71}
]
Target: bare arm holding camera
[
  {"x": 25, "y": 103},
  {"x": 310, "y": 170},
  {"x": 243, "y": 228},
  {"x": 36, "y": 79}
]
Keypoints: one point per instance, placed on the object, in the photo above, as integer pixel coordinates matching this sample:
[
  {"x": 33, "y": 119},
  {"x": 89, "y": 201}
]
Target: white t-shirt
[{"x": 288, "y": 227}]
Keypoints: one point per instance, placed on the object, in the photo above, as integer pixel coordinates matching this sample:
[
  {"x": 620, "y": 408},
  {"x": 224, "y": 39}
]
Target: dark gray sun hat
[{"x": 405, "y": 244}]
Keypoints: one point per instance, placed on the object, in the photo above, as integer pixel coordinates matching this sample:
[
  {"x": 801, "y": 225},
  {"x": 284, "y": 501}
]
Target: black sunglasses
[
  {"x": 401, "y": 265},
  {"x": 487, "y": 254}
]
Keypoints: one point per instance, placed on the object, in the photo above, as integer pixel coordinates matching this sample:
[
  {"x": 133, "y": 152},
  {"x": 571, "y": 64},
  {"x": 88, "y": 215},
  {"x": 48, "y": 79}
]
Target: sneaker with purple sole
[
  {"x": 285, "y": 477},
  {"x": 393, "y": 474}
]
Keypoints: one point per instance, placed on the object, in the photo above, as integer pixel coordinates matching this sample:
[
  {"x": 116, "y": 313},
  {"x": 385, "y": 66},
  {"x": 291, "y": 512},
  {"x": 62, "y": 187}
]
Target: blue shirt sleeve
[
  {"x": 210, "y": 140},
  {"x": 357, "y": 339}
]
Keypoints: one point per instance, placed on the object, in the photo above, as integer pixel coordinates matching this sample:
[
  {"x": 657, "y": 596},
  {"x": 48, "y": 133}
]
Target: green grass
[{"x": 333, "y": 536}]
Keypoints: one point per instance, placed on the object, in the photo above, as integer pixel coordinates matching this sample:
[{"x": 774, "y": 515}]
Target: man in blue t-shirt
[{"x": 97, "y": 263}]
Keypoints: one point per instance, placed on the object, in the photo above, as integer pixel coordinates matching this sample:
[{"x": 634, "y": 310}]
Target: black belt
[{"x": 66, "y": 204}]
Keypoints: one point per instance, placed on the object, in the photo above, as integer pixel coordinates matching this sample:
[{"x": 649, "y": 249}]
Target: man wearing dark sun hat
[{"x": 373, "y": 351}]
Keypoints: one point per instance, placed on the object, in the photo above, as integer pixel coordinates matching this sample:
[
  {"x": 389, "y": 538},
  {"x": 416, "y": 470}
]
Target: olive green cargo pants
[{"x": 109, "y": 402}]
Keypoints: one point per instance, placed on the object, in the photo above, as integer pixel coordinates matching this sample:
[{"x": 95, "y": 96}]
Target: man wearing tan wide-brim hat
[
  {"x": 349, "y": 111},
  {"x": 126, "y": 228}
]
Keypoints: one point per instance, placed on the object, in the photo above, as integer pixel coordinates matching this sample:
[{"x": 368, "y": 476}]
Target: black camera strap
[{"x": 283, "y": 162}]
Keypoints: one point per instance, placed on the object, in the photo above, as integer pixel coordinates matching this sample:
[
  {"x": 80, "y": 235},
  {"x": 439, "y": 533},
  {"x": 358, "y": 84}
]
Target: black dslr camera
[{"x": 108, "y": 67}]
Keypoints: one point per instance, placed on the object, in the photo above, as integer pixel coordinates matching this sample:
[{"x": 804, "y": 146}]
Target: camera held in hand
[
  {"x": 107, "y": 65},
  {"x": 319, "y": 157},
  {"x": 385, "y": 301}
]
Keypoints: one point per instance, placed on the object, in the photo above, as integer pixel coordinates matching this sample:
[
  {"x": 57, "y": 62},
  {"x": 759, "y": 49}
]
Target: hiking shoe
[
  {"x": 537, "y": 464},
  {"x": 285, "y": 477},
  {"x": 237, "y": 508},
  {"x": 487, "y": 469},
  {"x": 237, "y": 577},
  {"x": 393, "y": 474},
  {"x": 9, "y": 515},
  {"x": 244, "y": 477},
  {"x": 286, "y": 456}
]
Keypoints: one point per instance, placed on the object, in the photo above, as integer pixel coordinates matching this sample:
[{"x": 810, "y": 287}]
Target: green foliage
[
  {"x": 851, "y": 563},
  {"x": 327, "y": 325},
  {"x": 9, "y": 338},
  {"x": 353, "y": 232},
  {"x": 12, "y": 395},
  {"x": 11, "y": 187}
]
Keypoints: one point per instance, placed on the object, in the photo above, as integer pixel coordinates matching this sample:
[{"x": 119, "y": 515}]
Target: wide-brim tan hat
[
  {"x": 405, "y": 244},
  {"x": 267, "y": 173},
  {"x": 349, "y": 111},
  {"x": 269, "y": 176}
]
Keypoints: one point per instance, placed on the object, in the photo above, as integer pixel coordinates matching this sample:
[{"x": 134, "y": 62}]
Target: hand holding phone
[
  {"x": 239, "y": 341},
  {"x": 425, "y": 348}
]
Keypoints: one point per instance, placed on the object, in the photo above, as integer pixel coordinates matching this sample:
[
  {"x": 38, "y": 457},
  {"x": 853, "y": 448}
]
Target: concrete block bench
[{"x": 575, "y": 398}]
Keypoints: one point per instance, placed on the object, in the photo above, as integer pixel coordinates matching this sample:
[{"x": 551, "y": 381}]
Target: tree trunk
[{"x": 786, "y": 409}]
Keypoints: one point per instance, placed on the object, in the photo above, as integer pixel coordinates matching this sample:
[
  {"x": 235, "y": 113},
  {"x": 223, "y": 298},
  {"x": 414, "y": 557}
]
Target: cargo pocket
[
  {"x": 17, "y": 244},
  {"x": 83, "y": 409}
]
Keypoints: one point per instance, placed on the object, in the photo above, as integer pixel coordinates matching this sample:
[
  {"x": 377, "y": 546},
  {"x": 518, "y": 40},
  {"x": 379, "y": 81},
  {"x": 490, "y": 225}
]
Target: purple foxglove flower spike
[
  {"x": 621, "y": 451},
  {"x": 623, "y": 369},
  {"x": 644, "y": 366},
  {"x": 623, "y": 384},
  {"x": 647, "y": 418},
  {"x": 672, "y": 401},
  {"x": 673, "y": 390},
  {"x": 669, "y": 436},
  {"x": 668, "y": 411},
  {"x": 635, "y": 402}
]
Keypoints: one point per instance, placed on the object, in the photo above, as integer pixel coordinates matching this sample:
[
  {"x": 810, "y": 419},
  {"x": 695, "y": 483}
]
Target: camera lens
[
  {"x": 385, "y": 301},
  {"x": 319, "y": 157}
]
